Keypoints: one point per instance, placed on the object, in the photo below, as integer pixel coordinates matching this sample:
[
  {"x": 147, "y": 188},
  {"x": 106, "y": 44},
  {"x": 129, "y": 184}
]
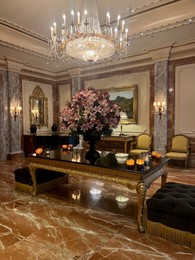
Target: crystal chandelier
[{"x": 84, "y": 40}]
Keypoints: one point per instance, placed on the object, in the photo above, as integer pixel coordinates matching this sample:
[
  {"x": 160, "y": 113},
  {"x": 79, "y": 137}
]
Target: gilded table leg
[
  {"x": 164, "y": 177},
  {"x": 33, "y": 176},
  {"x": 141, "y": 193},
  {"x": 125, "y": 146}
]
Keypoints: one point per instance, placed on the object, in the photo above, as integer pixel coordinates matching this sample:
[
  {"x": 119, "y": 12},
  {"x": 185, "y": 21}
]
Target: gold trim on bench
[{"x": 180, "y": 237}]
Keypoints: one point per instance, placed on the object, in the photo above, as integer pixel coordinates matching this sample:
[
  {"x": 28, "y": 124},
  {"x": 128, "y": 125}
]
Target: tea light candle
[
  {"x": 140, "y": 161},
  {"x": 64, "y": 146},
  {"x": 130, "y": 162},
  {"x": 39, "y": 150}
]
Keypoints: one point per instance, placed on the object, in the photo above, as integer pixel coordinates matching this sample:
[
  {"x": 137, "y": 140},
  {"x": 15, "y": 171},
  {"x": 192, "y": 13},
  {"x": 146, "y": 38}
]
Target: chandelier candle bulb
[
  {"x": 72, "y": 15},
  {"x": 52, "y": 32},
  {"x": 123, "y": 25},
  {"x": 54, "y": 28},
  {"x": 118, "y": 20},
  {"x": 86, "y": 15},
  {"x": 64, "y": 18},
  {"x": 78, "y": 18},
  {"x": 108, "y": 19},
  {"x": 115, "y": 32}
]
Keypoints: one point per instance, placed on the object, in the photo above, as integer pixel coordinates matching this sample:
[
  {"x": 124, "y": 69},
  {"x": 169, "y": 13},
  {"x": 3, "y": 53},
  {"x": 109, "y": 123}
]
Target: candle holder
[
  {"x": 140, "y": 164},
  {"x": 130, "y": 163}
]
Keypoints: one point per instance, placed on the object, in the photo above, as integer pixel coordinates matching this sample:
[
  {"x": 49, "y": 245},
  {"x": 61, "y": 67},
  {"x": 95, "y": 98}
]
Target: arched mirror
[{"x": 38, "y": 108}]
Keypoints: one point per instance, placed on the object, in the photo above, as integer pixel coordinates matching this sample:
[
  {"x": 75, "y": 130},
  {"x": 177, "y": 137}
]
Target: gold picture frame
[{"x": 127, "y": 98}]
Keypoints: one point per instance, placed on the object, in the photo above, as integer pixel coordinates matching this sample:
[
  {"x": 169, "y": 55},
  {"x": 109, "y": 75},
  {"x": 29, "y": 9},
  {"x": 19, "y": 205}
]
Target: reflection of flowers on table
[{"x": 91, "y": 113}]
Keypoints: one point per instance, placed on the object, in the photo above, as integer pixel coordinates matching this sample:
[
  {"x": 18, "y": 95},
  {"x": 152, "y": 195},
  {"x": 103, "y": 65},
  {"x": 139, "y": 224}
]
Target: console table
[
  {"x": 32, "y": 141},
  {"x": 115, "y": 143},
  {"x": 106, "y": 169}
]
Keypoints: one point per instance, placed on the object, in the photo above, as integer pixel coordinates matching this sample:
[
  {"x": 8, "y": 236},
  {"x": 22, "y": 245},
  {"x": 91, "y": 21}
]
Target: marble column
[
  {"x": 4, "y": 115},
  {"x": 15, "y": 123},
  {"x": 10, "y": 127},
  {"x": 160, "y": 94}
]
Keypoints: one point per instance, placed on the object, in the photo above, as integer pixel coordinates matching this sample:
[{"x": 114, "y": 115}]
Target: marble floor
[{"x": 80, "y": 220}]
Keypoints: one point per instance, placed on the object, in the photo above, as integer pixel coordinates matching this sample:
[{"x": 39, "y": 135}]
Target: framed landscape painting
[{"x": 127, "y": 98}]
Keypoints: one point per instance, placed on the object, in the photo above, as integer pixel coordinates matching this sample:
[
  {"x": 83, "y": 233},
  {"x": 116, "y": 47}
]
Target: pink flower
[{"x": 90, "y": 113}]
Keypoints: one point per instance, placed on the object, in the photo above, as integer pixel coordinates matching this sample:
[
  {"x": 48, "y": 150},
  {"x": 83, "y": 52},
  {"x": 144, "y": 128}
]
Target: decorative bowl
[{"x": 121, "y": 157}]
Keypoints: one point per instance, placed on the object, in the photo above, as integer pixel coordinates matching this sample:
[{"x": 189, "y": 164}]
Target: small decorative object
[
  {"x": 54, "y": 128},
  {"x": 121, "y": 157},
  {"x": 146, "y": 160},
  {"x": 91, "y": 114},
  {"x": 33, "y": 129},
  {"x": 130, "y": 163},
  {"x": 70, "y": 147}
]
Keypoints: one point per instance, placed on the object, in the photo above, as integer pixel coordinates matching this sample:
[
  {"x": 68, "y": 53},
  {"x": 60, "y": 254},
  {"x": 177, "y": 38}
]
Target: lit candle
[
  {"x": 118, "y": 20},
  {"x": 86, "y": 15},
  {"x": 126, "y": 31},
  {"x": 78, "y": 18},
  {"x": 64, "y": 18},
  {"x": 52, "y": 32},
  {"x": 115, "y": 32},
  {"x": 123, "y": 25},
  {"x": 140, "y": 161},
  {"x": 121, "y": 43},
  {"x": 108, "y": 19},
  {"x": 72, "y": 14},
  {"x": 154, "y": 104},
  {"x": 54, "y": 28}
]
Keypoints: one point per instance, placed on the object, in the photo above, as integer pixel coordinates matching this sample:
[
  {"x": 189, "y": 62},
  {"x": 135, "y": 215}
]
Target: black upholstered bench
[
  {"x": 46, "y": 180},
  {"x": 171, "y": 213}
]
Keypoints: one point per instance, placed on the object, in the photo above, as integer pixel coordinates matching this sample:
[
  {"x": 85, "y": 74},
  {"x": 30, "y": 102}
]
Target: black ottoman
[
  {"x": 46, "y": 179},
  {"x": 171, "y": 213}
]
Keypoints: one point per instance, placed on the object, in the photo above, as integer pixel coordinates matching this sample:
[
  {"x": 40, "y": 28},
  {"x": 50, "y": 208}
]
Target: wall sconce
[
  {"x": 159, "y": 107},
  {"x": 15, "y": 111}
]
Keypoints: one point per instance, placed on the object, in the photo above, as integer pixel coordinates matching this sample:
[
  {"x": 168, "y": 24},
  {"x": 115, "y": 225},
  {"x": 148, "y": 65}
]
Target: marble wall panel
[{"x": 160, "y": 94}]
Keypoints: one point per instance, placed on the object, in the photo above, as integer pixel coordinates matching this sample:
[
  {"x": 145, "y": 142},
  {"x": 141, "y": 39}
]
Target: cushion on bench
[
  {"x": 46, "y": 180},
  {"x": 23, "y": 175},
  {"x": 173, "y": 206}
]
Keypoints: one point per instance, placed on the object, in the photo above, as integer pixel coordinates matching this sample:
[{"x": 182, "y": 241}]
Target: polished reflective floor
[{"x": 84, "y": 219}]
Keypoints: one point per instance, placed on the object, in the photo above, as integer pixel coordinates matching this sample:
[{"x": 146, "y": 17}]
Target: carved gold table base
[{"x": 134, "y": 181}]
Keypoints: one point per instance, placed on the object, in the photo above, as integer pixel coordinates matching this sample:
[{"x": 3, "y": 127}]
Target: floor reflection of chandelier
[{"x": 84, "y": 40}]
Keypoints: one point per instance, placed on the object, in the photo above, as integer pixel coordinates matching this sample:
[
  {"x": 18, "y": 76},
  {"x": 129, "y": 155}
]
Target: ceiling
[{"x": 25, "y": 26}]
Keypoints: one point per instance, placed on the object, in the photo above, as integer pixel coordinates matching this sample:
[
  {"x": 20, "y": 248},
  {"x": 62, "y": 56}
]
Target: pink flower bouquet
[{"x": 91, "y": 113}]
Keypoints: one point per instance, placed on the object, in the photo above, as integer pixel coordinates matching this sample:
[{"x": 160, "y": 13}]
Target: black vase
[
  {"x": 33, "y": 129},
  {"x": 92, "y": 155},
  {"x": 54, "y": 128}
]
